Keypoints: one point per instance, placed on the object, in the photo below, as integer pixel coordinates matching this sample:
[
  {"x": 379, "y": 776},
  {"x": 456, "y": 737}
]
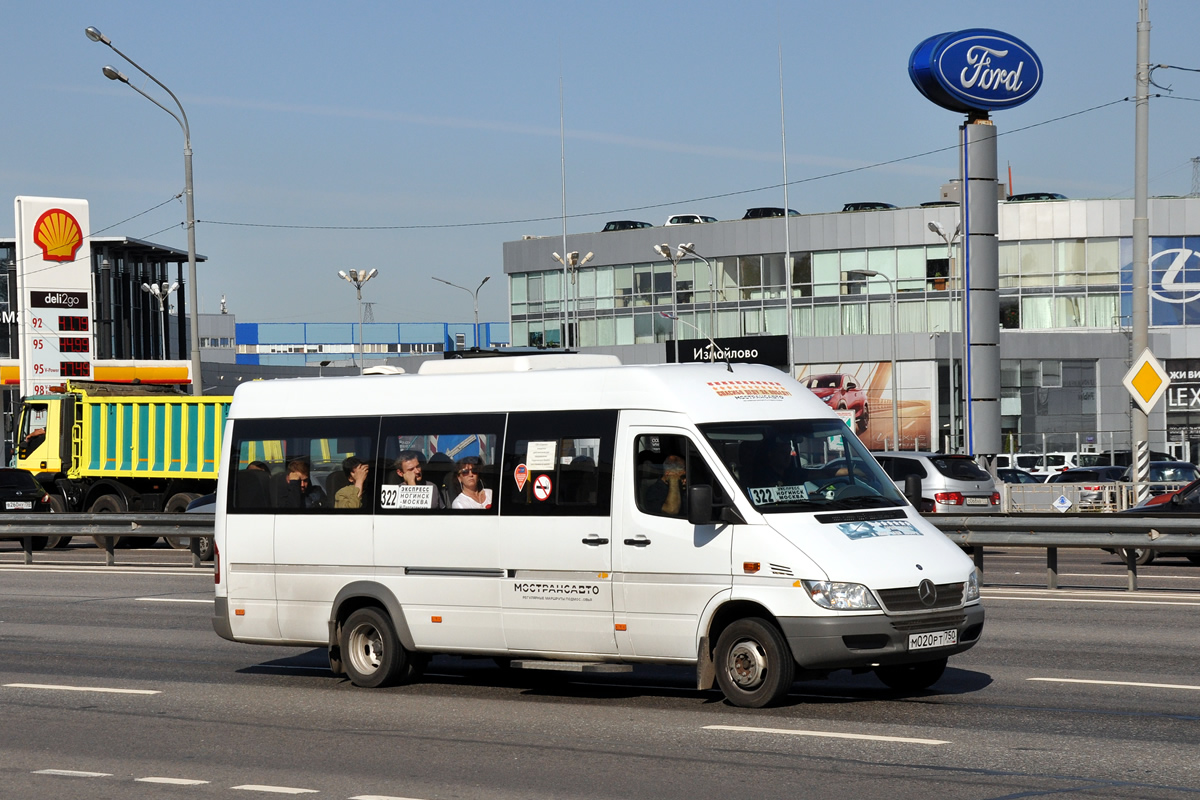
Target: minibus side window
[
  {"x": 559, "y": 463},
  {"x": 297, "y": 466},
  {"x": 422, "y": 457},
  {"x": 664, "y": 466}
]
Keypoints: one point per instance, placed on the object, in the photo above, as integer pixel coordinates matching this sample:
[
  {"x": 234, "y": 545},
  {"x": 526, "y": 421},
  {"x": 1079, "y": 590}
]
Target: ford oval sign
[{"x": 975, "y": 70}]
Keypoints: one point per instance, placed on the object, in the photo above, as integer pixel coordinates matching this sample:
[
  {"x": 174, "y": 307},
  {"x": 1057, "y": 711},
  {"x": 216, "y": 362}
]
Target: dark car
[
  {"x": 1014, "y": 475},
  {"x": 204, "y": 504},
  {"x": 1030, "y": 196},
  {"x": 1164, "y": 473},
  {"x": 1181, "y": 501},
  {"x": 20, "y": 493},
  {"x": 625, "y": 225},
  {"x": 1093, "y": 494},
  {"x": 762, "y": 213},
  {"x": 867, "y": 206},
  {"x": 841, "y": 392}
]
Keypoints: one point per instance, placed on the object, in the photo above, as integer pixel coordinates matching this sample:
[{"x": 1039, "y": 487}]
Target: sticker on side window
[
  {"x": 766, "y": 495},
  {"x": 394, "y": 496},
  {"x": 540, "y": 456}
]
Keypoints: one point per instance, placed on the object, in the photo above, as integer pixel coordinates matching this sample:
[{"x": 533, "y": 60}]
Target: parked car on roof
[
  {"x": 950, "y": 484},
  {"x": 762, "y": 213},
  {"x": 1015, "y": 475},
  {"x": 868, "y": 206},
  {"x": 688, "y": 219},
  {"x": 625, "y": 225},
  {"x": 841, "y": 392},
  {"x": 1028, "y": 196}
]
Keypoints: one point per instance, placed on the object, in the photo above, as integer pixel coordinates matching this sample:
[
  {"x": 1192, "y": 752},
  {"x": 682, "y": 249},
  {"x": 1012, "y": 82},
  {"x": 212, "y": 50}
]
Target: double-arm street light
[
  {"x": 686, "y": 249},
  {"x": 474, "y": 298},
  {"x": 181, "y": 118},
  {"x": 570, "y": 264},
  {"x": 870, "y": 273},
  {"x": 357, "y": 277},
  {"x": 161, "y": 292},
  {"x": 950, "y": 240}
]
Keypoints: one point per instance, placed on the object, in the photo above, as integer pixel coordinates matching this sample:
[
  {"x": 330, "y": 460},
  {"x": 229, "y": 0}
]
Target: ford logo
[{"x": 975, "y": 70}]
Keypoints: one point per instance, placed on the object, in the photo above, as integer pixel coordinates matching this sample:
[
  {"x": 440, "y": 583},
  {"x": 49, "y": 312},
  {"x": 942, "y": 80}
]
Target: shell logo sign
[{"x": 57, "y": 232}]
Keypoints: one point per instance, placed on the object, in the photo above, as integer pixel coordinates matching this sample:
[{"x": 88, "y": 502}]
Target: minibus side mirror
[
  {"x": 912, "y": 490},
  {"x": 700, "y": 508}
]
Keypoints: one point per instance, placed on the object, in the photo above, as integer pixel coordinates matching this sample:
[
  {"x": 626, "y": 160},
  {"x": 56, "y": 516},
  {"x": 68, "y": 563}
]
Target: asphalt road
[{"x": 113, "y": 685}]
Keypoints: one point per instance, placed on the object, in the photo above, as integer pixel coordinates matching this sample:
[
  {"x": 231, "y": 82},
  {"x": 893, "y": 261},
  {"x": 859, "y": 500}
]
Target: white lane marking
[
  {"x": 202, "y": 572},
  {"x": 1113, "y": 601},
  {"x": 379, "y": 797},
  {"x": 1120, "y": 683},
  {"x": 78, "y": 688},
  {"x": 172, "y": 781},
  {"x": 824, "y": 734},
  {"x": 70, "y": 773},
  {"x": 250, "y": 787},
  {"x": 171, "y": 600}
]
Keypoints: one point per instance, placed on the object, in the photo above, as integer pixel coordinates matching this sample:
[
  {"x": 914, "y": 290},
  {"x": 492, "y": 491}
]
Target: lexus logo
[{"x": 927, "y": 592}]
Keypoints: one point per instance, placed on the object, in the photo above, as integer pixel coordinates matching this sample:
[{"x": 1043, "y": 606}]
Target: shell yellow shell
[{"x": 57, "y": 233}]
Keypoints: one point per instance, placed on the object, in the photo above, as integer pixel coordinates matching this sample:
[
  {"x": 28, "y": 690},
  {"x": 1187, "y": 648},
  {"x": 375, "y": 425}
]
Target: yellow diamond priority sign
[{"x": 1146, "y": 381}]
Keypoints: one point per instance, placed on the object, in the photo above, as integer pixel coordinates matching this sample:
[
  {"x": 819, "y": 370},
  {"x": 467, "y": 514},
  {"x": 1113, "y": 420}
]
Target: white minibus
[{"x": 566, "y": 512}]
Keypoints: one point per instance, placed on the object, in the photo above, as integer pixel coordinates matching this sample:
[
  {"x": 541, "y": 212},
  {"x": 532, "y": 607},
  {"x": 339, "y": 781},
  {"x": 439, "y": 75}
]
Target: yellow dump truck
[{"x": 114, "y": 448}]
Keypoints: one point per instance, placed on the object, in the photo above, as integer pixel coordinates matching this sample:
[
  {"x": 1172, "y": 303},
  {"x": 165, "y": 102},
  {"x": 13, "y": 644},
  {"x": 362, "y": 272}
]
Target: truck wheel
[
  {"x": 177, "y": 504},
  {"x": 371, "y": 653},
  {"x": 912, "y": 677},
  {"x": 754, "y": 663},
  {"x": 58, "y": 505},
  {"x": 109, "y": 504}
]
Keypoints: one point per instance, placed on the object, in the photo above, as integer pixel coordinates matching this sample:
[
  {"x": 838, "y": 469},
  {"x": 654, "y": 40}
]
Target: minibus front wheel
[
  {"x": 371, "y": 653},
  {"x": 754, "y": 664}
]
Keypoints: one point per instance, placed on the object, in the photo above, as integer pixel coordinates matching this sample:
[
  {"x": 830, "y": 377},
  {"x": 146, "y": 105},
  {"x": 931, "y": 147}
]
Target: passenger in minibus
[
  {"x": 472, "y": 493},
  {"x": 351, "y": 495},
  {"x": 666, "y": 494},
  {"x": 411, "y": 473},
  {"x": 298, "y": 490}
]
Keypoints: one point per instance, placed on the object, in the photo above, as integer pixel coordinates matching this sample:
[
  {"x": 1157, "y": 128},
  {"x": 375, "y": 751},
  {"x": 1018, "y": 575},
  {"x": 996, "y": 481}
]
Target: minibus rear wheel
[
  {"x": 371, "y": 652},
  {"x": 754, "y": 663},
  {"x": 912, "y": 677}
]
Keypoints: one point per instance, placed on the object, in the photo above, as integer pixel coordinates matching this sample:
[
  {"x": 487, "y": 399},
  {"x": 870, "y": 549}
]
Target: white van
[{"x": 572, "y": 513}]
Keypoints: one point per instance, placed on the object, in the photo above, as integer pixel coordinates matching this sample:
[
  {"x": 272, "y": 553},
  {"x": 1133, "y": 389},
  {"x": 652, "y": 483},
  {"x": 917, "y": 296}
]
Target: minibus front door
[{"x": 668, "y": 568}]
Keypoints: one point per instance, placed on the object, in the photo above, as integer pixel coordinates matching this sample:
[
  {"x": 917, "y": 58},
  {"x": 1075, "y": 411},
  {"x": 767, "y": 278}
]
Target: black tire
[
  {"x": 912, "y": 677},
  {"x": 754, "y": 664},
  {"x": 371, "y": 653},
  {"x": 38, "y": 542},
  {"x": 1194, "y": 558},
  {"x": 58, "y": 505},
  {"x": 177, "y": 504},
  {"x": 110, "y": 504},
  {"x": 863, "y": 420},
  {"x": 1141, "y": 555}
]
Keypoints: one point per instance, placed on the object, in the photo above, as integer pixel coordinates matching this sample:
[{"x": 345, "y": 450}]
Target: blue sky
[{"x": 437, "y": 118}]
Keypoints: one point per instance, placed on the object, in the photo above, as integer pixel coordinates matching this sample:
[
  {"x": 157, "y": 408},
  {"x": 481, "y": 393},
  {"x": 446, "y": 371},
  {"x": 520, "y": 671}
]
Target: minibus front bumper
[{"x": 829, "y": 643}]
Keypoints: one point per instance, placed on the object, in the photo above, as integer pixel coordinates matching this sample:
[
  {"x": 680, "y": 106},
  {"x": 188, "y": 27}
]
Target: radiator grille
[{"x": 949, "y": 595}]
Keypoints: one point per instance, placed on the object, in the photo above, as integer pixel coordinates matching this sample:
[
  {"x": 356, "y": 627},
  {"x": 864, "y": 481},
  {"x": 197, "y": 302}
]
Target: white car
[{"x": 688, "y": 219}]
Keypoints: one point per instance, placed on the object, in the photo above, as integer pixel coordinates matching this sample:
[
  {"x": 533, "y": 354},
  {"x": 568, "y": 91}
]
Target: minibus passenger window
[
  {"x": 559, "y": 463},
  {"x": 439, "y": 463}
]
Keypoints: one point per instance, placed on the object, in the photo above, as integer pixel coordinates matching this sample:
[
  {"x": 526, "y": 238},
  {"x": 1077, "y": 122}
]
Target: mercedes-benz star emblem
[{"x": 927, "y": 592}]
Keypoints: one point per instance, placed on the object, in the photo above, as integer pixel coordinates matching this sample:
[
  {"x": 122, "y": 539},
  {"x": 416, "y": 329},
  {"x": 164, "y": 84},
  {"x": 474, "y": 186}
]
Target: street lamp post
[
  {"x": 570, "y": 265},
  {"x": 870, "y": 273},
  {"x": 474, "y": 298},
  {"x": 357, "y": 277},
  {"x": 712, "y": 290},
  {"x": 194, "y": 322},
  {"x": 950, "y": 241},
  {"x": 161, "y": 292}
]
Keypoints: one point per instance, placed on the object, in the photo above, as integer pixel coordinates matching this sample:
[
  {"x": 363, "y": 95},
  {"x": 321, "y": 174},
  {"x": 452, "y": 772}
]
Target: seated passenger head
[
  {"x": 297, "y": 470},
  {"x": 408, "y": 467},
  {"x": 351, "y": 463},
  {"x": 467, "y": 469}
]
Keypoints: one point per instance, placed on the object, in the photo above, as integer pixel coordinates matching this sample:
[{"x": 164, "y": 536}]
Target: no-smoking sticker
[{"x": 541, "y": 487}]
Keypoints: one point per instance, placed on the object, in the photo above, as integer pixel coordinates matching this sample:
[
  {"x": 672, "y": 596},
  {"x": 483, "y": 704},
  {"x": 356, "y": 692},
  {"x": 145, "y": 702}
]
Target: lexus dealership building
[{"x": 1064, "y": 300}]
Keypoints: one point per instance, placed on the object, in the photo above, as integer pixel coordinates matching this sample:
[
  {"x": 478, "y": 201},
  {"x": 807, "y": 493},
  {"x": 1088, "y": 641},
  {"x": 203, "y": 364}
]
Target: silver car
[{"x": 950, "y": 484}]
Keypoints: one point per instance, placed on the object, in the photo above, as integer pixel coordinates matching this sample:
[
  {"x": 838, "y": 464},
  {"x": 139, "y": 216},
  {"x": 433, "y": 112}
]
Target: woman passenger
[{"x": 472, "y": 493}]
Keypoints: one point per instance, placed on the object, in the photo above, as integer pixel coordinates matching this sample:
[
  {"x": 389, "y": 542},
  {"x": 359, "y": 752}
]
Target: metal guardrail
[
  {"x": 1175, "y": 532},
  {"x": 109, "y": 527}
]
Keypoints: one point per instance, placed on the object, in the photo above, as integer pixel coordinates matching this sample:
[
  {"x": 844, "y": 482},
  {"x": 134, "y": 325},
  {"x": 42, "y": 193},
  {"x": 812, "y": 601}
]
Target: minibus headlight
[
  {"x": 840, "y": 596},
  {"x": 972, "y": 592}
]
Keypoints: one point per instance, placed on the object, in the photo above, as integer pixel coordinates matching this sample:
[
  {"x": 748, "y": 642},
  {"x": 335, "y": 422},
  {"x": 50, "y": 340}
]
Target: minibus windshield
[{"x": 794, "y": 464}]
